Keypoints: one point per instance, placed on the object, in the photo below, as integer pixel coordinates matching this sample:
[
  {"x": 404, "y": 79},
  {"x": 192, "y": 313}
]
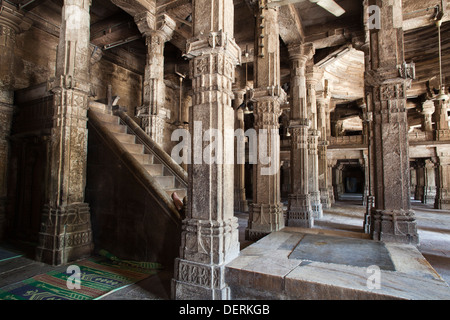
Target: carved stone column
[
  {"x": 412, "y": 172},
  {"x": 441, "y": 120},
  {"x": 313, "y": 75},
  {"x": 323, "y": 101},
  {"x": 427, "y": 112},
  {"x": 430, "y": 182},
  {"x": 240, "y": 200},
  {"x": 156, "y": 32},
  {"x": 420, "y": 181},
  {"x": 330, "y": 165},
  {"x": 266, "y": 211},
  {"x": 210, "y": 236},
  {"x": 392, "y": 218},
  {"x": 442, "y": 179},
  {"x": 11, "y": 23},
  {"x": 299, "y": 212},
  {"x": 66, "y": 228}
]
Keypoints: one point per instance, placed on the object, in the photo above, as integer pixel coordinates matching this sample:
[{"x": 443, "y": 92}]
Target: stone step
[
  {"x": 143, "y": 159},
  {"x": 134, "y": 148},
  {"x": 125, "y": 137},
  {"x": 115, "y": 128},
  {"x": 155, "y": 169},
  {"x": 108, "y": 118},
  {"x": 180, "y": 192},
  {"x": 166, "y": 182}
]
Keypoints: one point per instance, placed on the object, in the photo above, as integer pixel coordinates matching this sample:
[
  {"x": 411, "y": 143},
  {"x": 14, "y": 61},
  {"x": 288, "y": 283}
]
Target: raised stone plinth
[{"x": 300, "y": 263}]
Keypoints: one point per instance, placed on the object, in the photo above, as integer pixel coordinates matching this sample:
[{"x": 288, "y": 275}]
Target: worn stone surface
[
  {"x": 267, "y": 270},
  {"x": 66, "y": 214},
  {"x": 392, "y": 217},
  {"x": 266, "y": 211},
  {"x": 210, "y": 237}
]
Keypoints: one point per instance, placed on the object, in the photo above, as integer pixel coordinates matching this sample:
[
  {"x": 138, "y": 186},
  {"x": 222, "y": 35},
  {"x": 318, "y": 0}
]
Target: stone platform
[{"x": 297, "y": 263}]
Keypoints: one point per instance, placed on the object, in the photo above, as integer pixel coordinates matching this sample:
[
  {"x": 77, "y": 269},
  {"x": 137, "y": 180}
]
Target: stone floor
[{"x": 344, "y": 218}]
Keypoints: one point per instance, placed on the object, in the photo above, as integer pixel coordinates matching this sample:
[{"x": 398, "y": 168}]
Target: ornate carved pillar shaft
[
  {"x": 323, "y": 101},
  {"x": 313, "y": 75},
  {"x": 156, "y": 33},
  {"x": 240, "y": 201},
  {"x": 442, "y": 200},
  {"x": 392, "y": 218},
  {"x": 210, "y": 237},
  {"x": 441, "y": 120},
  {"x": 430, "y": 182},
  {"x": 266, "y": 211},
  {"x": 299, "y": 208},
  {"x": 66, "y": 228},
  {"x": 420, "y": 181}
]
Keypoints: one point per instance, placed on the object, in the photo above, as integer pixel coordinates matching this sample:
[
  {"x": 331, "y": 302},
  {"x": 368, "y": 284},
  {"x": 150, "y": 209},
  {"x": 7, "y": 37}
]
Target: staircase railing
[{"x": 151, "y": 146}]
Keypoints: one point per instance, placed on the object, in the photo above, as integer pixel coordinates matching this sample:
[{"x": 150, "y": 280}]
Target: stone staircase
[{"x": 149, "y": 160}]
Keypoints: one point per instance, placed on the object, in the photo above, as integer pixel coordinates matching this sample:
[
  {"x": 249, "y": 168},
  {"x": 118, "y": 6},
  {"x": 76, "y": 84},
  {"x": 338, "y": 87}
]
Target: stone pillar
[
  {"x": 412, "y": 171},
  {"x": 420, "y": 181},
  {"x": 323, "y": 100},
  {"x": 339, "y": 181},
  {"x": 11, "y": 23},
  {"x": 364, "y": 162},
  {"x": 430, "y": 182},
  {"x": 266, "y": 211},
  {"x": 442, "y": 179},
  {"x": 330, "y": 165},
  {"x": 209, "y": 238},
  {"x": 240, "y": 200},
  {"x": 441, "y": 120},
  {"x": 427, "y": 112},
  {"x": 392, "y": 218},
  {"x": 313, "y": 75},
  {"x": 66, "y": 228},
  {"x": 299, "y": 212},
  {"x": 156, "y": 32}
]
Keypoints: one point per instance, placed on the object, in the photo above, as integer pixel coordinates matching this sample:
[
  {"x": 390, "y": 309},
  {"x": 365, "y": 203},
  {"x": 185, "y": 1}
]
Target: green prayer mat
[{"x": 98, "y": 277}]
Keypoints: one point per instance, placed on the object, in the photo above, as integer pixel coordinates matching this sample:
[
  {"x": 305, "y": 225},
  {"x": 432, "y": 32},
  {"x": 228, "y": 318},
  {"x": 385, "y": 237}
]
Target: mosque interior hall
[{"x": 224, "y": 150}]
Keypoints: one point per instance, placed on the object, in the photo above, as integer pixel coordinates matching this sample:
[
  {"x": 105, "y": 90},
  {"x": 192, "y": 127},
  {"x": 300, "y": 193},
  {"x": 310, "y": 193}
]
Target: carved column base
[
  {"x": 325, "y": 199},
  {"x": 442, "y": 200},
  {"x": 240, "y": 201},
  {"x": 394, "y": 226},
  {"x": 263, "y": 220},
  {"x": 196, "y": 281},
  {"x": 299, "y": 213},
  {"x": 429, "y": 196},
  {"x": 207, "y": 246},
  {"x": 331, "y": 194},
  {"x": 65, "y": 234},
  {"x": 316, "y": 205}
]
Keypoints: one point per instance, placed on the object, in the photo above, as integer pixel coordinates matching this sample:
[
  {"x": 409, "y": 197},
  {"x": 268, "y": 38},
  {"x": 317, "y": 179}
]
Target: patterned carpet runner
[{"x": 98, "y": 277}]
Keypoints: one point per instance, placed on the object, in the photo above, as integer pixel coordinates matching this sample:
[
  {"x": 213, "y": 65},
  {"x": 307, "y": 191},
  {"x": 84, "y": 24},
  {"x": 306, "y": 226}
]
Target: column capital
[
  {"x": 213, "y": 42},
  {"x": 13, "y": 18},
  {"x": 301, "y": 51},
  {"x": 149, "y": 25}
]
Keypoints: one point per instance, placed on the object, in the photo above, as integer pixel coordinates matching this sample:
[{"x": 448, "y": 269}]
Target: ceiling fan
[{"x": 328, "y": 5}]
